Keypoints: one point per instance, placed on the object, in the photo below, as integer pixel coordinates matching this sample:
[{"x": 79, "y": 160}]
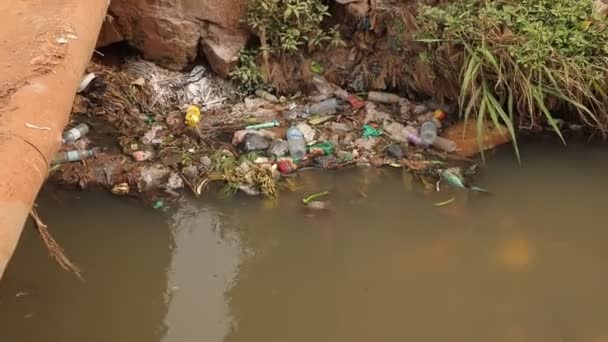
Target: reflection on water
[{"x": 527, "y": 263}]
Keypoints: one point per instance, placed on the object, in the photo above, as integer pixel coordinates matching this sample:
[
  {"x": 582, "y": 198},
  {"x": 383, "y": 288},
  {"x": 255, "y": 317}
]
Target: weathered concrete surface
[
  {"x": 173, "y": 32},
  {"x": 45, "y": 46}
]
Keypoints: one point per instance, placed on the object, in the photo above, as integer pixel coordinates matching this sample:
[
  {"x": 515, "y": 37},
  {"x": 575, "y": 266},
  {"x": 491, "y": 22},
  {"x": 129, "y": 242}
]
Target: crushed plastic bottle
[
  {"x": 278, "y": 148},
  {"x": 324, "y": 107},
  {"x": 193, "y": 116},
  {"x": 296, "y": 143},
  {"x": 75, "y": 133}
]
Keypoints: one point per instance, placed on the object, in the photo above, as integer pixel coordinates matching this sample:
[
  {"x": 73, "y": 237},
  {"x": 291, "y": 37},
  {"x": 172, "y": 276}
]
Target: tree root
[{"x": 55, "y": 250}]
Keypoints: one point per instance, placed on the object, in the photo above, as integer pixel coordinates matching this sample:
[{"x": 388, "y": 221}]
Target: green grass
[{"x": 523, "y": 61}]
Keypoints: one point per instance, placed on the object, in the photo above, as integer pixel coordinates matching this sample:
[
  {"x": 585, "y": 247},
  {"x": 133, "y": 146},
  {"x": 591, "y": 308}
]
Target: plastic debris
[
  {"x": 142, "y": 155},
  {"x": 193, "y": 116},
  {"x": 444, "y": 203},
  {"x": 444, "y": 144},
  {"x": 307, "y": 131},
  {"x": 297, "y": 143},
  {"x": 175, "y": 181},
  {"x": 323, "y": 87},
  {"x": 121, "y": 189},
  {"x": 395, "y": 151},
  {"x": 255, "y": 142},
  {"x": 318, "y": 205},
  {"x": 150, "y": 135},
  {"x": 428, "y": 132},
  {"x": 266, "y": 95},
  {"x": 324, "y": 107},
  {"x": 85, "y": 82},
  {"x": 314, "y": 196},
  {"x": 158, "y": 204},
  {"x": 380, "y": 97},
  {"x": 322, "y": 149},
  {"x": 268, "y": 124},
  {"x": 42, "y": 128},
  {"x": 453, "y": 176},
  {"x": 75, "y": 133},
  {"x": 239, "y": 136},
  {"x": 71, "y": 156},
  {"x": 340, "y": 127},
  {"x": 366, "y": 143},
  {"x": 372, "y": 114},
  {"x": 371, "y": 132},
  {"x": 286, "y": 165},
  {"x": 278, "y": 148},
  {"x": 317, "y": 120}
]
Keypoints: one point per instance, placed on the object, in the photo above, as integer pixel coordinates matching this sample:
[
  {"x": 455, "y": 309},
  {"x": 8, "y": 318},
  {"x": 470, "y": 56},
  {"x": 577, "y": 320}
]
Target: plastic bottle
[
  {"x": 444, "y": 144},
  {"x": 268, "y": 124},
  {"x": 75, "y": 133},
  {"x": 324, "y": 107},
  {"x": 412, "y": 136},
  {"x": 380, "y": 97},
  {"x": 71, "y": 156},
  {"x": 428, "y": 132},
  {"x": 296, "y": 143}
]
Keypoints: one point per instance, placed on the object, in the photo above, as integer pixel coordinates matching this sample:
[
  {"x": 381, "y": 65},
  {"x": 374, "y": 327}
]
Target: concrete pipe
[{"x": 45, "y": 46}]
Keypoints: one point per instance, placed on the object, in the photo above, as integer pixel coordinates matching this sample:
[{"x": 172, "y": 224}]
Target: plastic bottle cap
[{"x": 439, "y": 114}]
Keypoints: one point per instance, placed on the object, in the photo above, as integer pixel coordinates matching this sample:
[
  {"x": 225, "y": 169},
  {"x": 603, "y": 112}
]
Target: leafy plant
[
  {"x": 248, "y": 73},
  {"x": 288, "y": 25},
  {"x": 524, "y": 59}
]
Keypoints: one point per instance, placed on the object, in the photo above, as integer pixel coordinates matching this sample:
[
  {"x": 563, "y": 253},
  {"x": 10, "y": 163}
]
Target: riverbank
[{"x": 155, "y": 133}]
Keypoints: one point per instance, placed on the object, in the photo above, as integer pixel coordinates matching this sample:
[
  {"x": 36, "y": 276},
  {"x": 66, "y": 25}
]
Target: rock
[
  {"x": 173, "y": 32},
  {"x": 467, "y": 145},
  {"x": 110, "y": 32},
  {"x": 221, "y": 46}
]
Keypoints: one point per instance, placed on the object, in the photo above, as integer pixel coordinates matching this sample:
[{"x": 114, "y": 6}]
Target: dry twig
[{"x": 53, "y": 247}]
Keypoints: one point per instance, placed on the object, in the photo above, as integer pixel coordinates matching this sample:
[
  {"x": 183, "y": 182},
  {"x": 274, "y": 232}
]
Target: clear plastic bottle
[
  {"x": 444, "y": 144},
  {"x": 71, "y": 156},
  {"x": 428, "y": 132},
  {"x": 75, "y": 133},
  {"x": 296, "y": 143}
]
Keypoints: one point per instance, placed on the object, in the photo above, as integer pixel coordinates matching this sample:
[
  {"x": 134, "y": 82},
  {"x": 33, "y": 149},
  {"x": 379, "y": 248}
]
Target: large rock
[{"x": 172, "y": 32}]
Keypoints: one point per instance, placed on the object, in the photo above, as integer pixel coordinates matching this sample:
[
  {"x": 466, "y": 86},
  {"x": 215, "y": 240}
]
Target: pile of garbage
[{"x": 178, "y": 131}]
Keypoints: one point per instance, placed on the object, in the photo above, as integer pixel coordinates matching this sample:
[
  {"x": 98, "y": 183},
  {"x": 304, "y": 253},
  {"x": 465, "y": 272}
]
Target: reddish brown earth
[{"x": 44, "y": 49}]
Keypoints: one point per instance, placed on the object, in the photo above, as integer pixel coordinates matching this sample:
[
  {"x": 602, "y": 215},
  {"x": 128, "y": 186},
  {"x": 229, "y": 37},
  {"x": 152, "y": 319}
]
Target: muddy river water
[{"x": 527, "y": 263}]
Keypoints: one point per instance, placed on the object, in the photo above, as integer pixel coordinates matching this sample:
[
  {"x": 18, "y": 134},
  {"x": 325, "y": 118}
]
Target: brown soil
[{"x": 23, "y": 58}]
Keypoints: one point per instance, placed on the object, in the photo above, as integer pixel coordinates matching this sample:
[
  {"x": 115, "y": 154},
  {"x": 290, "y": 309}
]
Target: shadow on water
[{"x": 527, "y": 263}]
